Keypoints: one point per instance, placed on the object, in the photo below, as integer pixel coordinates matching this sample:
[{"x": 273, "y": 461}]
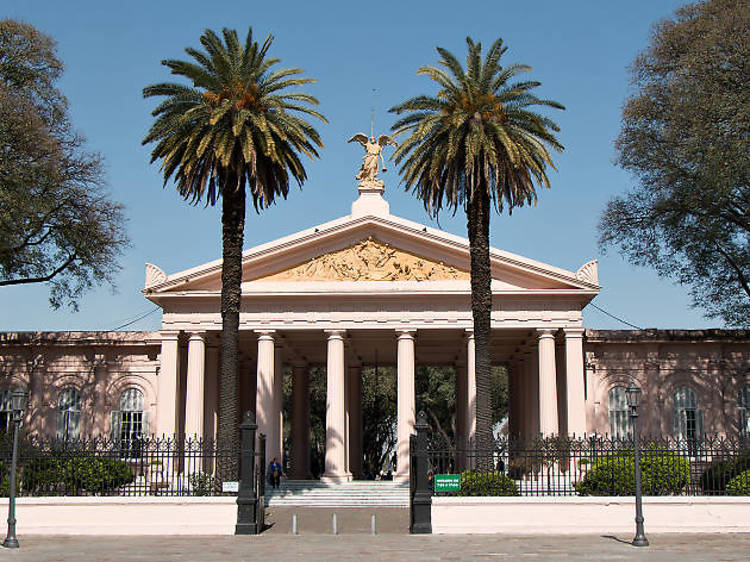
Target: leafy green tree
[
  {"x": 57, "y": 223},
  {"x": 237, "y": 129},
  {"x": 685, "y": 140},
  {"x": 378, "y": 418},
  {"x": 476, "y": 144}
]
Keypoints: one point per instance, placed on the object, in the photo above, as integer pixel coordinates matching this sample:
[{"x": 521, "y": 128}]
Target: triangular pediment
[
  {"x": 372, "y": 251},
  {"x": 369, "y": 259}
]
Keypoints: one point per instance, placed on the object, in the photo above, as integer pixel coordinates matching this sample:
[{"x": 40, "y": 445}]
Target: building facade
[{"x": 370, "y": 288}]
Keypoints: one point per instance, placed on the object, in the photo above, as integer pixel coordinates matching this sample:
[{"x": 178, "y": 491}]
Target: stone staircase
[{"x": 359, "y": 493}]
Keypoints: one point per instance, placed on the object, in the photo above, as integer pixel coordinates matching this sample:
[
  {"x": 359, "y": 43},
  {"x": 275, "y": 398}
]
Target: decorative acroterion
[
  {"x": 369, "y": 260},
  {"x": 368, "y": 172}
]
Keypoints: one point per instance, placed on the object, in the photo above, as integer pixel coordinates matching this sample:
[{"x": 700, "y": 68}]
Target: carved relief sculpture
[{"x": 369, "y": 260}]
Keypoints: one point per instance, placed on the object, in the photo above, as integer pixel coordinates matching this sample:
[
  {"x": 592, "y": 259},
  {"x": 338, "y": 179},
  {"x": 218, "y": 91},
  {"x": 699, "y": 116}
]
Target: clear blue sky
[{"x": 579, "y": 50}]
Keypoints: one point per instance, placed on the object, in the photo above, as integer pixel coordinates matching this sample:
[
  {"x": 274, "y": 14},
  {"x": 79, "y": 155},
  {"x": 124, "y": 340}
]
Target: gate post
[
  {"x": 421, "y": 495},
  {"x": 247, "y": 523}
]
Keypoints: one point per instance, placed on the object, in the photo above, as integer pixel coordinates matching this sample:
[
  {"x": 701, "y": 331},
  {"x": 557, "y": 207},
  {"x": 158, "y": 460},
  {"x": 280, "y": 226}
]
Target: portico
[{"x": 370, "y": 287}]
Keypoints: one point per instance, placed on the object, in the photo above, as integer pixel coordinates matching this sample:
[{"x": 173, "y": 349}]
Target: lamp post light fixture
[
  {"x": 634, "y": 398},
  {"x": 19, "y": 398}
]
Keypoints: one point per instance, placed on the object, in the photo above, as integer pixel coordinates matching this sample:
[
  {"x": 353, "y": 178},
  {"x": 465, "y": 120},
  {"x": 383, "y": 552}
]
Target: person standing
[{"x": 274, "y": 472}]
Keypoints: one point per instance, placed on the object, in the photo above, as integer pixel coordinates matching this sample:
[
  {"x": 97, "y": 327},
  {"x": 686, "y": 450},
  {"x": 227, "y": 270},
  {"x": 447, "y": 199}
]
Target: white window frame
[
  {"x": 620, "y": 422},
  {"x": 6, "y": 410},
  {"x": 130, "y": 424},
  {"x": 688, "y": 418},
  {"x": 743, "y": 404},
  {"x": 69, "y": 408}
]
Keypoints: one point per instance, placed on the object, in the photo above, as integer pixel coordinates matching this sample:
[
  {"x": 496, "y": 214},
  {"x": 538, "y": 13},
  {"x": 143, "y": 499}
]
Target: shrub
[
  {"x": 715, "y": 478},
  {"x": 201, "y": 484},
  {"x": 95, "y": 474},
  {"x": 475, "y": 483},
  {"x": 739, "y": 485},
  {"x": 663, "y": 472},
  {"x": 85, "y": 472},
  {"x": 42, "y": 475}
]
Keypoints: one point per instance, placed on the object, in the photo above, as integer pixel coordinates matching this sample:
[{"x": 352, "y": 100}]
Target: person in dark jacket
[{"x": 274, "y": 473}]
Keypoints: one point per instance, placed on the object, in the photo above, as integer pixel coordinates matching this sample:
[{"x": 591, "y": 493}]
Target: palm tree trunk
[
  {"x": 233, "y": 226},
  {"x": 478, "y": 225}
]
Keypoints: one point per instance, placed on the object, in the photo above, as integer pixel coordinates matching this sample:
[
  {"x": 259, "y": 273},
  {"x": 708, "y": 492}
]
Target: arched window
[
  {"x": 69, "y": 414},
  {"x": 688, "y": 418},
  {"x": 130, "y": 422},
  {"x": 620, "y": 424},
  {"x": 6, "y": 410},
  {"x": 744, "y": 407}
]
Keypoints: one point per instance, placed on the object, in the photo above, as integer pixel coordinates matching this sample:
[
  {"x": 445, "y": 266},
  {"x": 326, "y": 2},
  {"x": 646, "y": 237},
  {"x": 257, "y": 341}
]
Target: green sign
[{"x": 447, "y": 482}]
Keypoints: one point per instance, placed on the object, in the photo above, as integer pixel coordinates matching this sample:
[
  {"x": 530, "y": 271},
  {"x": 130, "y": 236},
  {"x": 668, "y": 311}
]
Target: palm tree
[
  {"x": 476, "y": 144},
  {"x": 236, "y": 128}
]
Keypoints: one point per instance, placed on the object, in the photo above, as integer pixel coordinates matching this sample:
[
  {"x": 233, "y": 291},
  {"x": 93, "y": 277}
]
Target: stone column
[
  {"x": 211, "y": 393},
  {"x": 547, "y": 384},
  {"x": 278, "y": 402},
  {"x": 347, "y": 408},
  {"x": 405, "y": 400},
  {"x": 512, "y": 399},
  {"x": 335, "y": 461},
  {"x": 471, "y": 388},
  {"x": 576, "y": 405},
  {"x": 267, "y": 424},
  {"x": 194, "y": 391},
  {"x": 461, "y": 414},
  {"x": 355, "y": 421},
  {"x": 169, "y": 368},
  {"x": 301, "y": 423}
]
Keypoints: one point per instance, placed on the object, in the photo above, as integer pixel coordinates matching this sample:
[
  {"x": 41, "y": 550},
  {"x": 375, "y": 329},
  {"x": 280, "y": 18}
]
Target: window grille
[
  {"x": 69, "y": 414},
  {"x": 620, "y": 423}
]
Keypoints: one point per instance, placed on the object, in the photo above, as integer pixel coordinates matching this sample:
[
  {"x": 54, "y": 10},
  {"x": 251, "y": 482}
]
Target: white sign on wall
[{"x": 230, "y": 486}]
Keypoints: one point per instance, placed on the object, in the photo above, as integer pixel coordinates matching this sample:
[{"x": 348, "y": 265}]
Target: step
[{"x": 312, "y": 493}]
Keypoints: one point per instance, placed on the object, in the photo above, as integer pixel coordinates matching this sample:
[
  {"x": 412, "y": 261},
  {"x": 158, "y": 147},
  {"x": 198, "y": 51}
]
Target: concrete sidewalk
[{"x": 681, "y": 547}]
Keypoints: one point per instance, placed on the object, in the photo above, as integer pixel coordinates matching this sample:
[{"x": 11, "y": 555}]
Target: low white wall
[
  {"x": 124, "y": 516},
  {"x": 601, "y": 515}
]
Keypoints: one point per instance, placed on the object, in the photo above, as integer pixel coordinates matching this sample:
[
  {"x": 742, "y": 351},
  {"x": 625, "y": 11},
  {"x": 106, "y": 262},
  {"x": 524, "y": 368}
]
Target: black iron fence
[
  {"x": 595, "y": 465},
  {"x": 106, "y": 467}
]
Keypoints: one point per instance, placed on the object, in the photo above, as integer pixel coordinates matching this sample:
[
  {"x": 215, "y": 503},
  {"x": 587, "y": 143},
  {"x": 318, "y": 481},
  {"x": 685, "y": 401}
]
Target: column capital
[
  {"x": 406, "y": 333},
  {"x": 169, "y": 335},
  {"x": 546, "y": 333},
  {"x": 469, "y": 333},
  {"x": 265, "y": 335},
  {"x": 574, "y": 332},
  {"x": 197, "y": 336},
  {"x": 335, "y": 334}
]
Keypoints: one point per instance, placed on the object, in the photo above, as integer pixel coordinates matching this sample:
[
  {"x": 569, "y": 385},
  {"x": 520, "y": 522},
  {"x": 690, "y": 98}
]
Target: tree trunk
[
  {"x": 233, "y": 225},
  {"x": 478, "y": 225}
]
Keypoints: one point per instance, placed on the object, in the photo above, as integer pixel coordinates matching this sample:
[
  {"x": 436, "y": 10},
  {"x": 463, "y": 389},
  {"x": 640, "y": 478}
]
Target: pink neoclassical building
[{"x": 373, "y": 287}]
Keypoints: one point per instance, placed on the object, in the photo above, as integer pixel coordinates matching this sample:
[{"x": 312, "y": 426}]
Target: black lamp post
[
  {"x": 19, "y": 397},
  {"x": 634, "y": 397}
]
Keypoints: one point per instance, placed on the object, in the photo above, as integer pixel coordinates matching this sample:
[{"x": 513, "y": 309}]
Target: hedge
[
  {"x": 716, "y": 477},
  {"x": 474, "y": 483},
  {"x": 663, "y": 473},
  {"x": 50, "y": 474},
  {"x": 739, "y": 485}
]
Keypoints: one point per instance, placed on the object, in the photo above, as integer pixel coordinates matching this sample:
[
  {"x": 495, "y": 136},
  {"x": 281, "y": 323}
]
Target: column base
[
  {"x": 401, "y": 477},
  {"x": 336, "y": 478}
]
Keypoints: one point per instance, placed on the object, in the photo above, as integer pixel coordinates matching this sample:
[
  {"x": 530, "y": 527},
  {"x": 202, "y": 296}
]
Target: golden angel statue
[{"x": 373, "y": 150}]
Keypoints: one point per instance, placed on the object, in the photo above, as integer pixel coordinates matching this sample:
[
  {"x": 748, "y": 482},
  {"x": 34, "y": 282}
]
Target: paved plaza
[{"x": 682, "y": 547}]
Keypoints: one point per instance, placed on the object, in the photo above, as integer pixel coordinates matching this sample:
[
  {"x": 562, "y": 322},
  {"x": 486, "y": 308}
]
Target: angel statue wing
[
  {"x": 385, "y": 140},
  {"x": 361, "y": 138}
]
